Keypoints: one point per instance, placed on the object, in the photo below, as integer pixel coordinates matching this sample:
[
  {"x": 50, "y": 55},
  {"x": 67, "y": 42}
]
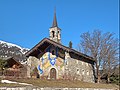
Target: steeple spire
[
  {"x": 55, "y": 20},
  {"x": 55, "y": 31}
]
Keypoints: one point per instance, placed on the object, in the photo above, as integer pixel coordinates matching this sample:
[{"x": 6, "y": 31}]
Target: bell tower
[{"x": 55, "y": 31}]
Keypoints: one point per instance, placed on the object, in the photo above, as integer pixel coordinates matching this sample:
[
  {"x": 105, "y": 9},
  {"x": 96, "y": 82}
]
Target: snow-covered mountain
[{"x": 9, "y": 49}]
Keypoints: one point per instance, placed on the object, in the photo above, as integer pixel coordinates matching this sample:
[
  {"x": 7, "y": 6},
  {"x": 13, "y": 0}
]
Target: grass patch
[{"x": 64, "y": 83}]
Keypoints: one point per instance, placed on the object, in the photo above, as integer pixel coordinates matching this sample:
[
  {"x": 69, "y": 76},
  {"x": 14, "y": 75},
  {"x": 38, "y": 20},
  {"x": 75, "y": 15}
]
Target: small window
[
  {"x": 77, "y": 71},
  {"x": 53, "y": 52},
  {"x": 53, "y": 34},
  {"x": 87, "y": 73},
  {"x": 83, "y": 71}
]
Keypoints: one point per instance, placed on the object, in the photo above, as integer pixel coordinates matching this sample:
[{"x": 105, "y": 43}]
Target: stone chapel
[{"x": 56, "y": 61}]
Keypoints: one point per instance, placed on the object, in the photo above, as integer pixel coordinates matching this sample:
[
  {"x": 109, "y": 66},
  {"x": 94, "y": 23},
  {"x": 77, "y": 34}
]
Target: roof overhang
[{"x": 43, "y": 44}]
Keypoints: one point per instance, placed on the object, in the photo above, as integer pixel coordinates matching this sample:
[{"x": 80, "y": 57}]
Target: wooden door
[{"x": 53, "y": 74}]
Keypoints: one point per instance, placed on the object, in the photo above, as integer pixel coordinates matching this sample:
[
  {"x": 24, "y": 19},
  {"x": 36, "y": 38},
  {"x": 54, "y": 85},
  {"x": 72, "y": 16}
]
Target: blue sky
[{"x": 27, "y": 22}]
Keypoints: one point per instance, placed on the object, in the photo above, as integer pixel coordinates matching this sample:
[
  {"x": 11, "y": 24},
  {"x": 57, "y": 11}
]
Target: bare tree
[
  {"x": 111, "y": 56},
  {"x": 102, "y": 47}
]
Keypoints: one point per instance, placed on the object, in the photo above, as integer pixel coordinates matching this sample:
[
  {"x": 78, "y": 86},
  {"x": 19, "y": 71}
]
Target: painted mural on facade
[{"x": 51, "y": 59}]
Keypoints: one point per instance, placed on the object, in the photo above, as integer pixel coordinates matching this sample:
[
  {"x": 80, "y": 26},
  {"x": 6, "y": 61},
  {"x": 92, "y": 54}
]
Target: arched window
[{"x": 53, "y": 34}]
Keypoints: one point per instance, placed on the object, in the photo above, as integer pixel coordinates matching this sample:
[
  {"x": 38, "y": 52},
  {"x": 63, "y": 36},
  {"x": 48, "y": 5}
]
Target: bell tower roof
[{"x": 54, "y": 20}]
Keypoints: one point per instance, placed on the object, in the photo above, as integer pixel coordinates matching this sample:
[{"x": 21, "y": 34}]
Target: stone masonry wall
[
  {"x": 32, "y": 62},
  {"x": 78, "y": 70}
]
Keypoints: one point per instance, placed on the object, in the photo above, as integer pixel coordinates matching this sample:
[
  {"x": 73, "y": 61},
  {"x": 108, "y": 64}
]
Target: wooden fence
[{"x": 14, "y": 73}]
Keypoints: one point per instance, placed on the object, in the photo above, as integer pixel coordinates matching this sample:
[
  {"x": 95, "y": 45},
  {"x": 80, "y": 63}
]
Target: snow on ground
[{"x": 8, "y": 81}]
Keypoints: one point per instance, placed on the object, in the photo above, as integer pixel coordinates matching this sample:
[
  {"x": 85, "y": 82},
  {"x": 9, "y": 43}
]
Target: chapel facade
[{"x": 56, "y": 61}]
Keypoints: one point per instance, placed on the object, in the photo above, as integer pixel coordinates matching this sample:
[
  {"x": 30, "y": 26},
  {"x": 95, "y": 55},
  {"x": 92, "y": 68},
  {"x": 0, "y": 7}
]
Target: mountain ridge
[{"x": 12, "y": 50}]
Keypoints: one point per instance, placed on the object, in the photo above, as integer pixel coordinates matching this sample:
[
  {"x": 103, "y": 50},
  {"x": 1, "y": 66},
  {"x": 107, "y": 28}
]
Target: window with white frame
[
  {"x": 87, "y": 73},
  {"x": 83, "y": 71},
  {"x": 77, "y": 71}
]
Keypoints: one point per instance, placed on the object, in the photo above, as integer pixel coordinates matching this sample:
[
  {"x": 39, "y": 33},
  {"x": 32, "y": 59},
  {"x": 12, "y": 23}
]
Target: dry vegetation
[{"x": 64, "y": 83}]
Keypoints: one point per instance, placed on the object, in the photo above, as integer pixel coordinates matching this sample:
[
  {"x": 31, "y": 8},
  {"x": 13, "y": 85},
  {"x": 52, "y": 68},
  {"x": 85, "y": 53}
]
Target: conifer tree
[{"x": 70, "y": 44}]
